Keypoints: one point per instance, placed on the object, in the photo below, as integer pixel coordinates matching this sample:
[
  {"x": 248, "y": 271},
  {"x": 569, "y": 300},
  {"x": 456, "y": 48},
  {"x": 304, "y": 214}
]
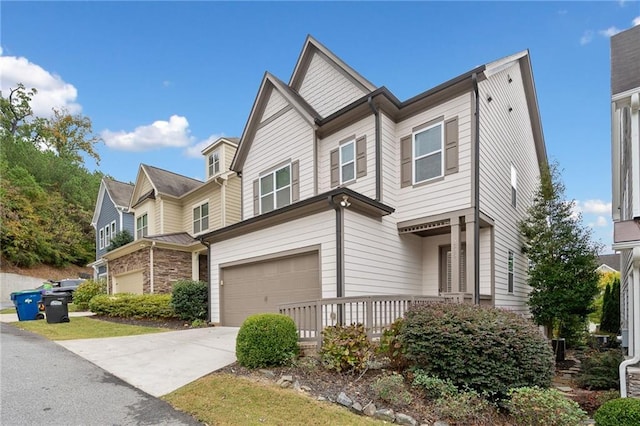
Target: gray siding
[
  {"x": 625, "y": 60},
  {"x": 108, "y": 214}
]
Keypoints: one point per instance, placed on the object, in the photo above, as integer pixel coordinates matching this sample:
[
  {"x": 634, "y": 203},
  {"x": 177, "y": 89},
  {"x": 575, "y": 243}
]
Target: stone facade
[
  {"x": 203, "y": 271},
  {"x": 132, "y": 262},
  {"x": 633, "y": 382}
]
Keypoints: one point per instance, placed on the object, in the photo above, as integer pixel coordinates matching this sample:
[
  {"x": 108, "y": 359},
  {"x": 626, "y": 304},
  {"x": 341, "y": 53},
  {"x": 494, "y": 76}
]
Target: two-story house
[
  {"x": 170, "y": 212},
  {"x": 110, "y": 217},
  {"x": 625, "y": 155},
  {"x": 348, "y": 191}
]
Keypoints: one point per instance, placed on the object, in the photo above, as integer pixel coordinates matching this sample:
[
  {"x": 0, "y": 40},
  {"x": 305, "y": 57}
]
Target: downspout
[
  {"x": 339, "y": 257},
  {"x": 376, "y": 113},
  {"x": 476, "y": 197},
  {"x": 208, "y": 245},
  {"x": 634, "y": 308},
  {"x": 151, "y": 278}
]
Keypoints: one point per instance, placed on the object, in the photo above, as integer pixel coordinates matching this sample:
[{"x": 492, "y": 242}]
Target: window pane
[
  {"x": 429, "y": 167},
  {"x": 267, "y": 203},
  {"x": 428, "y": 141},
  {"x": 347, "y": 172},
  {"x": 283, "y": 197},
  {"x": 283, "y": 177},
  {"x": 266, "y": 185},
  {"x": 205, "y": 223},
  {"x": 196, "y": 213},
  {"x": 196, "y": 226},
  {"x": 205, "y": 209},
  {"x": 347, "y": 152}
]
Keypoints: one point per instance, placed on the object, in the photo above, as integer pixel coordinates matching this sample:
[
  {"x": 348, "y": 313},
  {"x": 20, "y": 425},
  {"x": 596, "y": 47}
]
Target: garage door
[
  {"x": 128, "y": 283},
  {"x": 259, "y": 287}
]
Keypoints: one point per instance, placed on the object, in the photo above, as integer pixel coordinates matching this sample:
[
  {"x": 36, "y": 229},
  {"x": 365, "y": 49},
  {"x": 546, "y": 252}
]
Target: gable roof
[
  {"x": 610, "y": 260},
  {"x": 119, "y": 193},
  {"x": 231, "y": 141},
  {"x": 163, "y": 182}
]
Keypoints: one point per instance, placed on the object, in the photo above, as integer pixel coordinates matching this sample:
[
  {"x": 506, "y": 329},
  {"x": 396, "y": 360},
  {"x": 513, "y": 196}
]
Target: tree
[
  {"x": 120, "y": 239},
  {"x": 610, "y": 321},
  {"x": 606, "y": 279},
  {"x": 562, "y": 256}
]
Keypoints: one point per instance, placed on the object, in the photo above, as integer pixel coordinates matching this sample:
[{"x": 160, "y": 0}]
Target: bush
[
  {"x": 391, "y": 388},
  {"x": 266, "y": 340},
  {"x": 189, "y": 300},
  {"x": 150, "y": 306},
  {"x": 433, "y": 387},
  {"x": 464, "y": 408},
  {"x": 599, "y": 370},
  {"x": 544, "y": 407},
  {"x": 345, "y": 348},
  {"x": 391, "y": 346},
  {"x": 86, "y": 291},
  {"x": 619, "y": 412},
  {"x": 484, "y": 349}
]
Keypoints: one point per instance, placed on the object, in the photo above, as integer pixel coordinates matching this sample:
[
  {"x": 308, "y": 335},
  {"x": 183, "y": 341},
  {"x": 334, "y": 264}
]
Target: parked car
[{"x": 64, "y": 287}]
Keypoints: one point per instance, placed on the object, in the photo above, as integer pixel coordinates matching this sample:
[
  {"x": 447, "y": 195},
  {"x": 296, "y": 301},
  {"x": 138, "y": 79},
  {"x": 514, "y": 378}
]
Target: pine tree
[
  {"x": 562, "y": 256},
  {"x": 606, "y": 309},
  {"x": 611, "y": 308}
]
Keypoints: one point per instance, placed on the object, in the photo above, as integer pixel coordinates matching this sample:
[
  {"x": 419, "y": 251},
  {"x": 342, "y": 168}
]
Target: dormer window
[{"x": 214, "y": 163}]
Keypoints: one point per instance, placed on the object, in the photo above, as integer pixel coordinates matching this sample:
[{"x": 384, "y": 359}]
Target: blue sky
[{"x": 160, "y": 79}]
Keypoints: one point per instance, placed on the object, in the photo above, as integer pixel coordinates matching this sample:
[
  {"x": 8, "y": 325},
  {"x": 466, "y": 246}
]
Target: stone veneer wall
[
  {"x": 169, "y": 266},
  {"x": 633, "y": 382},
  {"x": 129, "y": 263},
  {"x": 203, "y": 269}
]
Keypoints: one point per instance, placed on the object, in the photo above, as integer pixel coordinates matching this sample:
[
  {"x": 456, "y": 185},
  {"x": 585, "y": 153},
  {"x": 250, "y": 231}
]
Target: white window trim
[
  {"x": 193, "y": 222},
  {"x": 353, "y": 161},
  {"x": 138, "y": 235},
  {"x": 414, "y": 159},
  {"x": 101, "y": 238},
  {"x": 211, "y": 163},
  {"x": 273, "y": 176},
  {"x": 514, "y": 187},
  {"x": 511, "y": 260},
  {"x": 113, "y": 229}
]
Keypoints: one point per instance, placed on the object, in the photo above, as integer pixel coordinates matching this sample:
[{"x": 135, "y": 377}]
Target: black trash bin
[{"x": 56, "y": 308}]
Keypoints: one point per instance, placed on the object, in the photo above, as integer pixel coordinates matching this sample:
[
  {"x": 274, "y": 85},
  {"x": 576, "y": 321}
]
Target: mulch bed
[{"x": 174, "y": 324}]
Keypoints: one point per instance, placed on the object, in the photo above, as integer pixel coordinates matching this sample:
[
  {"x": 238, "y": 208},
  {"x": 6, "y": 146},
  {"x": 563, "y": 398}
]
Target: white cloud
[
  {"x": 159, "y": 134},
  {"x": 601, "y": 222},
  {"x": 586, "y": 37},
  {"x": 53, "y": 92},
  {"x": 594, "y": 206},
  {"x": 611, "y": 31},
  {"x": 195, "y": 151},
  {"x": 636, "y": 21}
]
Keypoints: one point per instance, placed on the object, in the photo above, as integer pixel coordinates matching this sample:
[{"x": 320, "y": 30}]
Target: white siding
[
  {"x": 288, "y": 137},
  {"x": 229, "y": 152},
  {"x": 379, "y": 261},
  {"x": 390, "y": 161},
  {"x": 233, "y": 200},
  {"x": 172, "y": 221},
  {"x": 453, "y": 192},
  {"x": 275, "y": 104},
  {"x": 365, "y": 185},
  {"x": 326, "y": 89},
  {"x": 506, "y": 138},
  {"x": 318, "y": 229},
  {"x": 147, "y": 207}
]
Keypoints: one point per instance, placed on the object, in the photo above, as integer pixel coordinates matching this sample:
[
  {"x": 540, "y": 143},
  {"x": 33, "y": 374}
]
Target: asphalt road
[{"x": 42, "y": 383}]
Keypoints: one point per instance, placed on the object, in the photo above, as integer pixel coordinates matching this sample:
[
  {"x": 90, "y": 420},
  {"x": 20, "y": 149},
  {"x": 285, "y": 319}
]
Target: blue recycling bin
[{"x": 26, "y": 303}]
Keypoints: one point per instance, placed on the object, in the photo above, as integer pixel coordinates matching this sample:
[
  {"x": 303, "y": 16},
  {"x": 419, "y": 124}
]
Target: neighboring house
[
  {"x": 111, "y": 216},
  {"x": 347, "y": 191},
  {"x": 170, "y": 211},
  {"x": 625, "y": 155},
  {"x": 608, "y": 263}
]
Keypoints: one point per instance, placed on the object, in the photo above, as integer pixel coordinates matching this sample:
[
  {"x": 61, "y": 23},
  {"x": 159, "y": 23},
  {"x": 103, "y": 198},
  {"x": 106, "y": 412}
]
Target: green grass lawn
[
  {"x": 84, "y": 328},
  {"x": 229, "y": 400}
]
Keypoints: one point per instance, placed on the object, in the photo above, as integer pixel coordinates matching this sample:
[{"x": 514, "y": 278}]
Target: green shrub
[
  {"x": 619, "y": 412},
  {"x": 534, "y": 406},
  {"x": 391, "y": 388},
  {"x": 391, "y": 345},
  {"x": 484, "y": 349},
  {"x": 345, "y": 348},
  {"x": 189, "y": 300},
  {"x": 151, "y": 306},
  {"x": 464, "y": 408},
  {"x": 86, "y": 291},
  {"x": 266, "y": 340},
  {"x": 599, "y": 370},
  {"x": 433, "y": 387}
]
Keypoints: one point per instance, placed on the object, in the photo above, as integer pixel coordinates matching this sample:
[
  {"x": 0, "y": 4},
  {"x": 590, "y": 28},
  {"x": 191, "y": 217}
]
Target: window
[
  {"x": 201, "y": 218},
  {"x": 510, "y": 284},
  {"x": 514, "y": 179},
  {"x": 141, "y": 226},
  {"x": 427, "y": 153},
  {"x": 214, "y": 163},
  {"x": 347, "y": 162},
  {"x": 275, "y": 189},
  {"x": 113, "y": 229},
  {"x": 107, "y": 236},
  {"x": 101, "y": 239}
]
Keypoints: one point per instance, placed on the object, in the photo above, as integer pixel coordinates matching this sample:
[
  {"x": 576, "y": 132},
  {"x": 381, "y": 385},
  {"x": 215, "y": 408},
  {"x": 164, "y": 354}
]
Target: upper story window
[
  {"x": 514, "y": 179},
  {"x": 275, "y": 189},
  {"x": 113, "y": 229},
  {"x": 214, "y": 163},
  {"x": 427, "y": 153},
  {"x": 101, "y": 238},
  {"x": 142, "y": 226},
  {"x": 347, "y": 162},
  {"x": 107, "y": 235},
  {"x": 201, "y": 218}
]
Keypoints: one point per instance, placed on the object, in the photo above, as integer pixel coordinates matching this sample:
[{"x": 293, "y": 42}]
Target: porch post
[
  {"x": 455, "y": 254},
  {"x": 470, "y": 253}
]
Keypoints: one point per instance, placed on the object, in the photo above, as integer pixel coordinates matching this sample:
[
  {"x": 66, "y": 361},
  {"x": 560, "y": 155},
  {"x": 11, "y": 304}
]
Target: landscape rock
[
  {"x": 343, "y": 399},
  {"x": 404, "y": 419},
  {"x": 369, "y": 409},
  {"x": 440, "y": 423},
  {"x": 296, "y": 386},
  {"x": 357, "y": 407},
  {"x": 385, "y": 414},
  {"x": 285, "y": 381},
  {"x": 268, "y": 374},
  {"x": 305, "y": 388}
]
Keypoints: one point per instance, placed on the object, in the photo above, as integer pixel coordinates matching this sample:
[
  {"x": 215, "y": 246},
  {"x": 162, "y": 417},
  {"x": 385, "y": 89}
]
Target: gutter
[
  {"x": 376, "y": 113},
  {"x": 476, "y": 196}
]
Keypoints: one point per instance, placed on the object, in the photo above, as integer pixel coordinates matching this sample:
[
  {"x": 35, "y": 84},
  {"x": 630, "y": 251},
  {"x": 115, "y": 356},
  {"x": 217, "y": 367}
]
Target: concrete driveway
[{"x": 162, "y": 362}]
